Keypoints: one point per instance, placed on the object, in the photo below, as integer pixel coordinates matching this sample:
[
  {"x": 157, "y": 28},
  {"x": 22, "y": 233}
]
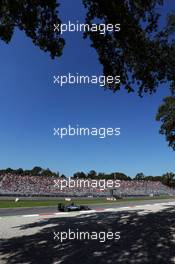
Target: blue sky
[{"x": 31, "y": 106}]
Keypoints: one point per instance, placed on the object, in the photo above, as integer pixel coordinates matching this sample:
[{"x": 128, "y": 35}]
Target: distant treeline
[{"x": 167, "y": 178}]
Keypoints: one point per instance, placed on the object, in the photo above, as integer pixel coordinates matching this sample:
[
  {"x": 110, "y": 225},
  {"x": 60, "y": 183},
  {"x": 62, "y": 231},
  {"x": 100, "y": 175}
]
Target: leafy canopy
[
  {"x": 141, "y": 53},
  {"x": 36, "y": 18}
]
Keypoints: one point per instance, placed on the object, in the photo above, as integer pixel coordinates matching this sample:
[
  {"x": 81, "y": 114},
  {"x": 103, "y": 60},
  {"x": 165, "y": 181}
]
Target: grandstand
[{"x": 26, "y": 185}]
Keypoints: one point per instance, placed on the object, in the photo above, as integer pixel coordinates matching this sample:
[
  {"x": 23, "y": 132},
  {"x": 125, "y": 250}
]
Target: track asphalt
[{"x": 97, "y": 207}]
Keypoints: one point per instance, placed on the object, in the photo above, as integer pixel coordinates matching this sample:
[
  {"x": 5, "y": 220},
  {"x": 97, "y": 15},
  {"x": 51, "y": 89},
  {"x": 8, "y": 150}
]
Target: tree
[
  {"x": 92, "y": 174},
  {"x": 9, "y": 170},
  {"x": 120, "y": 176},
  {"x": 168, "y": 179},
  {"x": 139, "y": 176},
  {"x": 171, "y": 23},
  {"x": 63, "y": 176},
  {"x": 36, "y": 171},
  {"x": 36, "y": 18},
  {"x": 141, "y": 53},
  {"x": 19, "y": 171},
  {"x": 47, "y": 173},
  {"x": 166, "y": 114},
  {"x": 79, "y": 175}
]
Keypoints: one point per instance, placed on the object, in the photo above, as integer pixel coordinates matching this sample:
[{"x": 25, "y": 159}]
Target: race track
[
  {"x": 53, "y": 209},
  {"x": 147, "y": 235}
]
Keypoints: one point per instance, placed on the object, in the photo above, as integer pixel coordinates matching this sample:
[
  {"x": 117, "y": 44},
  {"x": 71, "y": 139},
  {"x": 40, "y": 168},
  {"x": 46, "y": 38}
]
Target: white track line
[{"x": 32, "y": 215}]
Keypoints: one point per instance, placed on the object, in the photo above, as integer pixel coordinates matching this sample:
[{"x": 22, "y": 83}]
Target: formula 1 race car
[{"x": 72, "y": 207}]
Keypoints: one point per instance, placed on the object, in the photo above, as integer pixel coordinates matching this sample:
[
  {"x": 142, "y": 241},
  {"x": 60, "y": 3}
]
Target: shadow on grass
[{"x": 145, "y": 238}]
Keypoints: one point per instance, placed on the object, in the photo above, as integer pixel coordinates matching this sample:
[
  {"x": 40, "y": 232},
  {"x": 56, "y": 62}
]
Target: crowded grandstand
[{"x": 27, "y": 185}]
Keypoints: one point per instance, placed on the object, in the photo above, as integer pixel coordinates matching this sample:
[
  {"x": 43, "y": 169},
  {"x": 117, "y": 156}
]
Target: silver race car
[{"x": 72, "y": 207}]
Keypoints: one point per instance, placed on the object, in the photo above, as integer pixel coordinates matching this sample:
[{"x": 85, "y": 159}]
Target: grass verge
[{"x": 54, "y": 202}]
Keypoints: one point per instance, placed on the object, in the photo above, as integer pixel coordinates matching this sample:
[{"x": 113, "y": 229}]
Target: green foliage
[
  {"x": 79, "y": 175},
  {"x": 169, "y": 179},
  {"x": 166, "y": 114},
  {"x": 36, "y": 18},
  {"x": 140, "y": 53},
  {"x": 139, "y": 176},
  {"x": 36, "y": 171},
  {"x": 171, "y": 23}
]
